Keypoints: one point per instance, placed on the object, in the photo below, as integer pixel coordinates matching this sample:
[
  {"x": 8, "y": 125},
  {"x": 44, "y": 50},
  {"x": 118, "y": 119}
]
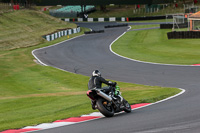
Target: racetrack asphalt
[{"x": 86, "y": 53}]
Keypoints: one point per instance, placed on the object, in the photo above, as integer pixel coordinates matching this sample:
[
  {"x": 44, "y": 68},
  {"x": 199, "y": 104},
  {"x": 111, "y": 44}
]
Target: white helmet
[{"x": 96, "y": 73}]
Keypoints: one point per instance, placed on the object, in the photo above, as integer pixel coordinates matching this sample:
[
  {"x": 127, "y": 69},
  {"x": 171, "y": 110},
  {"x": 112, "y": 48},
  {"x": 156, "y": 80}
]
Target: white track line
[
  {"x": 60, "y": 124},
  {"x": 182, "y": 91},
  {"x": 51, "y": 46}
]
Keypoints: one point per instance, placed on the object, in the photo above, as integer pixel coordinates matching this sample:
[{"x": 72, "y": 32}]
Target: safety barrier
[
  {"x": 61, "y": 32},
  {"x": 118, "y": 25},
  {"x": 111, "y": 19},
  {"x": 146, "y": 18},
  {"x": 94, "y": 31},
  {"x": 183, "y": 35},
  {"x": 170, "y": 26}
]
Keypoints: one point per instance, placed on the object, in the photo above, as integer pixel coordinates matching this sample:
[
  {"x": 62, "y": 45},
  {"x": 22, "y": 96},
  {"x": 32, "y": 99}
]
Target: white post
[
  {"x": 59, "y": 35},
  {"x": 52, "y": 36},
  {"x": 173, "y": 24},
  {"x": 56, "y": 35},
  {"x": 78, "y": 29},
  {"x": 65, "y": 32},
  {"x": 70, "y": 32},
  {"x": 48, "y": 38},
  {"x": 188, "y": 23},
  {"x": 74, "y": 30},
  {"x": 100, "y": 19}
]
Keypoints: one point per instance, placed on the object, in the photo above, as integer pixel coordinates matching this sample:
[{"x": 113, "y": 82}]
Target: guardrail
[
  {"x": 61, "y": 32},
  {"x": 113, "y": 19}
]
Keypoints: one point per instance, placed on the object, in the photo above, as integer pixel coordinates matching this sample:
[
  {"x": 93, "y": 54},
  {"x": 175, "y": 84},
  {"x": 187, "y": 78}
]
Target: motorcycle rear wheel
[{"x": 107, "y": 111}]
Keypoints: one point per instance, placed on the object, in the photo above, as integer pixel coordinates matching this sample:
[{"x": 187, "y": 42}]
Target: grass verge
[
  {"x": 31, "y": 94},
  {"x": 154, "y": 46},
  {"x": 24, "y": 28}
]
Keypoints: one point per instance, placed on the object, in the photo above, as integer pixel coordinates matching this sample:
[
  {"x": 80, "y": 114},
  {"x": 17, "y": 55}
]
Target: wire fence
[{"x": 5, "y": 7}]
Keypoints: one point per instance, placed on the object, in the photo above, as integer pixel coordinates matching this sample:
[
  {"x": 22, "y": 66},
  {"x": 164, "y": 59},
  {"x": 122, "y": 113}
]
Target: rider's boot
[{"x": 94, "y": 106}]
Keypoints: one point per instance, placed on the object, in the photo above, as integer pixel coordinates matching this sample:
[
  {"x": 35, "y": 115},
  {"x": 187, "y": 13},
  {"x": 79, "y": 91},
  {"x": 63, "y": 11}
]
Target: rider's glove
[{"x": 110, "y": 82}]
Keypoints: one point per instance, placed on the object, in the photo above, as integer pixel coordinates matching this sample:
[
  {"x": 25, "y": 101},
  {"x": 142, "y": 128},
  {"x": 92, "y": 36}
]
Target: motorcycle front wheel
[
  {"x": 127, "y": 107},
  {"x": 106, "y": 109}
]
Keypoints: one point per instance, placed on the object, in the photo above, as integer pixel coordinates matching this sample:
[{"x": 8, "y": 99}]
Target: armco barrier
[
  {"x": 183, "y": 35},
  {"x": 61, "y": 32},
  {"x": 112, "y": 19},
  {"x": 94, "y": 31}
]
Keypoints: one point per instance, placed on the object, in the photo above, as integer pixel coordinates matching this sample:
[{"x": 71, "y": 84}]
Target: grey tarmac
[{"x": 89, "y": 52}]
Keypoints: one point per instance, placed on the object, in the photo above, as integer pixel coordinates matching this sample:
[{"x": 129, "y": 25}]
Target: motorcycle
[{"x": 107, "y": 104}]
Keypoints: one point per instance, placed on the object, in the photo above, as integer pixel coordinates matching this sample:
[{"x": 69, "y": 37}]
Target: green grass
[
  {"x": 154, "y": 46},
  {"x": 31, "y": 94},
  {"x": 24, "y": 28}
]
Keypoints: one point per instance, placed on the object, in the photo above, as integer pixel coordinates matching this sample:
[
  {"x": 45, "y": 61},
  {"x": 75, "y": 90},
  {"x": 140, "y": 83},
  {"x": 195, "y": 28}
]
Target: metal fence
[{"x": 5, "y": 7}]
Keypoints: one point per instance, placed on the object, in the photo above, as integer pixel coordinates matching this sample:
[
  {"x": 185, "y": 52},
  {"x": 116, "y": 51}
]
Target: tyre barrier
[
  {"x": 146, "y": 18},
  {"x": 119, "y": 25},
  {"x": 183, "y": 35},
  {"x": 94, "y": 31},
  {"x": 170, "y": 26}
]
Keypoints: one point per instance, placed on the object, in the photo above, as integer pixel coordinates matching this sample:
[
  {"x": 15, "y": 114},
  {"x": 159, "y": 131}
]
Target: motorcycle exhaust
[{"x": 100, "y": 93}]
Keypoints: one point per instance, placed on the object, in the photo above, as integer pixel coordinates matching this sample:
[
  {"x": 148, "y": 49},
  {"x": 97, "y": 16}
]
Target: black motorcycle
[{"x": 109, "y": 104}]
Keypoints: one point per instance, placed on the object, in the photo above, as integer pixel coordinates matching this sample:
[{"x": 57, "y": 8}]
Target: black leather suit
[{"x": 96, "y": 82}]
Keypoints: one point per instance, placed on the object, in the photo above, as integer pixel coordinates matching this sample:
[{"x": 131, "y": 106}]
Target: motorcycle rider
[{"x": 96, "y": 82}]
